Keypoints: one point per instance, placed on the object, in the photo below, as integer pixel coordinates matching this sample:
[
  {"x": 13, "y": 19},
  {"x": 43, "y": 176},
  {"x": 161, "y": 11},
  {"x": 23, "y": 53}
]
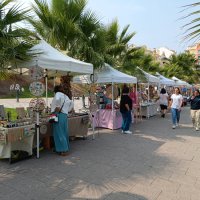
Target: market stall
[
  {"x": 148, "y": 104},
  {"x": 49, "y": 62},
  {"x": 107, "y": 117}
]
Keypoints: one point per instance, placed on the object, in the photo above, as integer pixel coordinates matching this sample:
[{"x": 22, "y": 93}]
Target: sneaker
[
  {"x": 197, "y": 129},
  {"x": 177, "y": 124},
  {"x": 173, "y": 126},
  {"x": 128, "y": 132}
]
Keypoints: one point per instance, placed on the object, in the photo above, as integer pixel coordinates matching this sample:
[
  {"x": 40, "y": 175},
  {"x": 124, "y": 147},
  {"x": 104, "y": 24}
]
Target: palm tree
[
  {"x": 68, "y": 26},
  {"x": 182, "y": 66},
  {"x": 193, "y": 27},
  {"x": 117, "y": 43},
  {"x": 14, "y": 40}
]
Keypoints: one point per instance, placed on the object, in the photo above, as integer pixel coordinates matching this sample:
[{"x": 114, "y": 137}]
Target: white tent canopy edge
[
  {"x": 106, "y": 74},
  {"x": 51, "y": 59}
]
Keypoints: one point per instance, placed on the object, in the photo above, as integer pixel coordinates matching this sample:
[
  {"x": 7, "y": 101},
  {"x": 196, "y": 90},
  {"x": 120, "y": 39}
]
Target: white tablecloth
[{"x": 16, "y": 138}]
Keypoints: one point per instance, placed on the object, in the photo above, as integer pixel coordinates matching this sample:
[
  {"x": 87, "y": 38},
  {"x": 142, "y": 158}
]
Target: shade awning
[
  {"x": 148, "y": 77},
  {"x": 106, "y": 74},
  {"x": 165, "y": 81},
  {"x": 53, "y": 60}
]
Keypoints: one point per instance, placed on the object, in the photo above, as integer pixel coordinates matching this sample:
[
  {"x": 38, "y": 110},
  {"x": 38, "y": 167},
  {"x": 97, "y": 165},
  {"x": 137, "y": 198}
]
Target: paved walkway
[
  {"x": 24, "y": 102},
  {"x": 155, "y": 163}
]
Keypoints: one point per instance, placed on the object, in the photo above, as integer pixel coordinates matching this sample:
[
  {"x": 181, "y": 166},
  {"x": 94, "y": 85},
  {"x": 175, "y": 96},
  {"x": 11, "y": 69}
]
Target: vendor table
[
  {"x": 77, "y": 125},
  {"x": 103, "y": 118},
  {"x": 152, "y": 109},
  {"x": 16, "y": 138}
]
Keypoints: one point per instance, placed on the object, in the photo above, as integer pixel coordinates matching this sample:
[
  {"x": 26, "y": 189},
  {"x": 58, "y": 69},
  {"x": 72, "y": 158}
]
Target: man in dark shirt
[
  {"x": 195, "y": 109},
  {"x": 125, "y": 109}
]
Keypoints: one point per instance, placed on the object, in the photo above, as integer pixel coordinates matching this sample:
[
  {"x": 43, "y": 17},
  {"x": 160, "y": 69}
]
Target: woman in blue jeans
[
  {"x": 125, "y": 109},
  {"x": 176, "y": 103}
]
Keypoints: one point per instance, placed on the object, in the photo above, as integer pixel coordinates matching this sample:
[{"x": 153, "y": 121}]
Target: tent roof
[
  {"x": 179, "y": 82},
  {"x": 165, "y": 81},
  {"x": 149, "y": 78},
  {"x": 107, "y": 74},
  {"x": 51, "y": 59}
]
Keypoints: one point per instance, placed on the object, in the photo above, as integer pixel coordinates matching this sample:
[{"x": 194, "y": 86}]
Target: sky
[{"x": 156, "y": 22}]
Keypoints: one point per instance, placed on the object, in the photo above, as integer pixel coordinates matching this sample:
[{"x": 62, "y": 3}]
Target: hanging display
[
  {"x": 36, "y": 73},
  {"x": 37, "y": 104},
  {"x": 37, "y": 88}
]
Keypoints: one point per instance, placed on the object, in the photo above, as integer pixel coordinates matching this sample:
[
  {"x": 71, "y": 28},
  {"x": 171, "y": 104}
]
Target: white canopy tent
[
  {"x": 106, "y": 74},
  {"x": 179, "y": 82},
  {"x": 53, "y": 61},
  {"x": 165, "y": 81},
  {"x": 149, "y": 78}
]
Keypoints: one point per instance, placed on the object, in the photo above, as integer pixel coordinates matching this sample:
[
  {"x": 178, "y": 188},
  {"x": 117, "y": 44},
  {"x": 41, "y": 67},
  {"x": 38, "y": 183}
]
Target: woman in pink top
[{"x": 133, "y": 95}]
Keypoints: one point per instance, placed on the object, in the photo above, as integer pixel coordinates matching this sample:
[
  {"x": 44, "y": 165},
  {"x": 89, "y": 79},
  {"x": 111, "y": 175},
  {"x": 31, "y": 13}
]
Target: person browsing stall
[
  {"x": 125, "y": 109},
  {"x": 61, "y": 105}
]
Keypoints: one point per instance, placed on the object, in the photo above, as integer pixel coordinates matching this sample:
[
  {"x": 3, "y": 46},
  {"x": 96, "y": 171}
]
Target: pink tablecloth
[{"x": 103, "y": 118}]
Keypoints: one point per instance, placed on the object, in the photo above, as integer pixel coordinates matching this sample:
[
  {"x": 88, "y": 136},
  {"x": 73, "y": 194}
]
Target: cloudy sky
[{"x": 155, "y": 22}]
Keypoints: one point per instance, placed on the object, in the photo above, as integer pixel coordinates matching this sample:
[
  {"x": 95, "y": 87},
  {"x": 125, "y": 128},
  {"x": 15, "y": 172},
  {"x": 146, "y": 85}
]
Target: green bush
[
  {"x": 12, "y": 112},
  {"x": 25, "y": 94}
]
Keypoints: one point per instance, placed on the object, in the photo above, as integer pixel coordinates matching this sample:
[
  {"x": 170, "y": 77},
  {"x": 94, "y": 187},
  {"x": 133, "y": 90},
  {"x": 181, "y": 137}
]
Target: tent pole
[
  {"x": 148, "y": 100},
  {"x": 112, "y": 107},
  {"x": 46, "y": 85},
  {"x": 54, "y": 81}
]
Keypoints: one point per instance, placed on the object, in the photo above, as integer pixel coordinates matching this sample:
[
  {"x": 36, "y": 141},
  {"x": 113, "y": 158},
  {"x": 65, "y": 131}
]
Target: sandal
[{"x": 64, "y": 153}]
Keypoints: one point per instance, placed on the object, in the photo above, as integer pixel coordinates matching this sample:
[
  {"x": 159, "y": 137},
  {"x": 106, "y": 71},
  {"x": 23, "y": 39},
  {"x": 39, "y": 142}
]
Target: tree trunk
[{"x": 66, "y": 83}]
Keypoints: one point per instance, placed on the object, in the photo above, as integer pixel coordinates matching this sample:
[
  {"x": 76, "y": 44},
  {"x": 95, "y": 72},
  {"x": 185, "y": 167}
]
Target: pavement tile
[
  {"x": 149, "y": 192},
  {"x": 182, "y": 178},
  {"x": 166, "y": 185},
  {"x": 124, "y": 196},
  {"x": 120, "y": 184},
  {"x": 85, "y": 190}
]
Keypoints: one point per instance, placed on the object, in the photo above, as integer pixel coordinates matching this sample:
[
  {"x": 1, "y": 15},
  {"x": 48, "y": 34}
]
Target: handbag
[{"x": 53, "y": 118}]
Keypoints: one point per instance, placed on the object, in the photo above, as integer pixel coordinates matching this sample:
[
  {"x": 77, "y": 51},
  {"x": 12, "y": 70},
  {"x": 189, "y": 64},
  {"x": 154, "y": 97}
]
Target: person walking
[
  {"x": 61, "y": 105},
  {"x": 176, "y": 103},
  {"x": 125, "y": 109},
  {"x": 195, "y": 109},
  {"x": 163, "y": 100}
]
